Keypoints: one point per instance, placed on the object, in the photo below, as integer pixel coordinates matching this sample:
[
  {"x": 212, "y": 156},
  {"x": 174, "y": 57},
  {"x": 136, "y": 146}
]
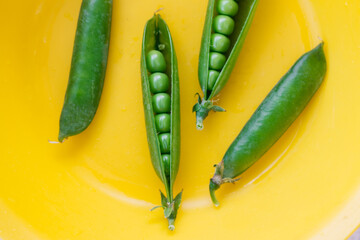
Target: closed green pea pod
[
  {"x": 242, "y": 21},
  {"x": 273, "y": 117},
  {"x": 88, "y": 67},
  {"x": 157, "y": 37}
]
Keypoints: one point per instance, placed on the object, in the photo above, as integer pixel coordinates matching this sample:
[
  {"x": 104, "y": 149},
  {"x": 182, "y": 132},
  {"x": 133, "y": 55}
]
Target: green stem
[
  {"x": 212, "y": 188},
  {"x": 171, "y": 224},
  {"x": 199, "y": 122},
  {"x": 201, "y": 114}
]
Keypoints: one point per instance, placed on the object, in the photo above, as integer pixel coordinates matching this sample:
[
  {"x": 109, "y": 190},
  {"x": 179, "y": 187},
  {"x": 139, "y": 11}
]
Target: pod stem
[
  {"x": 216, "y": 181},
  {"x": 200, "y": 116},
  {"x": 171, "y": 224},
  {"x": 212, "y": 188},
  {"x": 170, "y": 208},
  {"x": 202, "y": 109}
]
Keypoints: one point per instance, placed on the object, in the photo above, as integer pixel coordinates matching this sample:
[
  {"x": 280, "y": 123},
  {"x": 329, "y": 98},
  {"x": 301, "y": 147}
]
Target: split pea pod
[
  {"x": 272, "y": 118},
  {"x": 161, "y": 98},
  {"x": 88, "y": 67},
  {"x": 226, "y": 26}
]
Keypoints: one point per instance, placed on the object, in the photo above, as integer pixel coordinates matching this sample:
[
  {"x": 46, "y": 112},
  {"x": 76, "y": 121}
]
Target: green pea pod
[
  {"x": 242, "y": 21},
  {"x": 272, "y": 118},
  {"x": 88, "y": 67},
  {"x": 157, "y": 37}
]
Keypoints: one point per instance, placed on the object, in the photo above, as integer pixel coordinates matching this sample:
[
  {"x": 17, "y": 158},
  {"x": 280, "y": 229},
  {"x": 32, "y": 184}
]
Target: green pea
[
  {"x": 213, "y": 76},
  {"x": 159, "y": 82},
  {"x": 163, "y": 122},
  {"x": 227, "y": 7},
  {"x": 155, "y": 61},
  {"x": 161, "y": 103},
  {"x": 166, "y": 163},
  {"x": 164, "y": 140},
  {"x": 219, "y": 43},
  {"x": 223, "y": 24},
  {"x": 217, "y": 61}
]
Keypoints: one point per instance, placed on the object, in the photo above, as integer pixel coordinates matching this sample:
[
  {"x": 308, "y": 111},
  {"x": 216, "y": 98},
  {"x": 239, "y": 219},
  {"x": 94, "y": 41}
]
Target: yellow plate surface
[{"x": 101, "y": 185}]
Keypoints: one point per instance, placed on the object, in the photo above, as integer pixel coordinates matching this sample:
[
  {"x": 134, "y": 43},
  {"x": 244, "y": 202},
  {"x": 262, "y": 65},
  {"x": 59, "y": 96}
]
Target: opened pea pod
[
  {"x": 161, "y": 98},
  {"x": 88, "y": 67},
  {"x": 226, "y": 26},
  {"x": 272, "y": 118}
]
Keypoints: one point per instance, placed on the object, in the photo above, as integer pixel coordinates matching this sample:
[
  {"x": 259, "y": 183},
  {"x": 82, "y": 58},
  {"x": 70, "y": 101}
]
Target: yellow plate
[{"x": 101, "y": 185}]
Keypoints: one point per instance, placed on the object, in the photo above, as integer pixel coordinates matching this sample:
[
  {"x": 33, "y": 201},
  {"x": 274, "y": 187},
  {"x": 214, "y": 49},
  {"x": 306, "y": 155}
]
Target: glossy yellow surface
[{"x": 101, "y": 185}]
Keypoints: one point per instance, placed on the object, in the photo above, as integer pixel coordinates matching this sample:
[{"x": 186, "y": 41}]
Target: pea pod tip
[
  {"x": 62, "y": 137},
  {"x": 320, "y": 45},
  {"x": 159, "y": 10},
  {"x": 54, "y": 142}
]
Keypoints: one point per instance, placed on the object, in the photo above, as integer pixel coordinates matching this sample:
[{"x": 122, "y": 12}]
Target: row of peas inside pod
[
  {"x": 159, "y": 86},
  {"x": 223, "y": 26}
]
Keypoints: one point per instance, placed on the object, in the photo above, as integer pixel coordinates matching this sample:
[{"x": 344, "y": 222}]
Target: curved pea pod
[
  {"x": 242, "y": 20},
  {"x": 157, "y": 37},
  {"x": 88, "y": 67},
  {"x": 272, "y": 118}
]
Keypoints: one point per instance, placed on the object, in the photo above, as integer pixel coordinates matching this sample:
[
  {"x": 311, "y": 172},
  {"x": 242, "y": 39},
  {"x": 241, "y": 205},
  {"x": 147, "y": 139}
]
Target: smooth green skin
[
  {"x": 227, "y": 7},
  {"x": 155, "y": 61},
  {"x": 163, "y": 122},
  {"x": 166, "y": 163},
  {"x": 88, "y": 67},
  {"x": 273, "y": 117},
  {"x": 157, "y": 33},
  {"x": 223, "y": 24},
  {"x": 161, "y": 103},
  {"x": 243, "y": 21},
  {"x": 164, "y": 140},
  {"x": 217, "y": 61},
  {"x": 159, "y": 82},
  {"x": 219, "y": 43},
  {"x": 213, "y": 75}
]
